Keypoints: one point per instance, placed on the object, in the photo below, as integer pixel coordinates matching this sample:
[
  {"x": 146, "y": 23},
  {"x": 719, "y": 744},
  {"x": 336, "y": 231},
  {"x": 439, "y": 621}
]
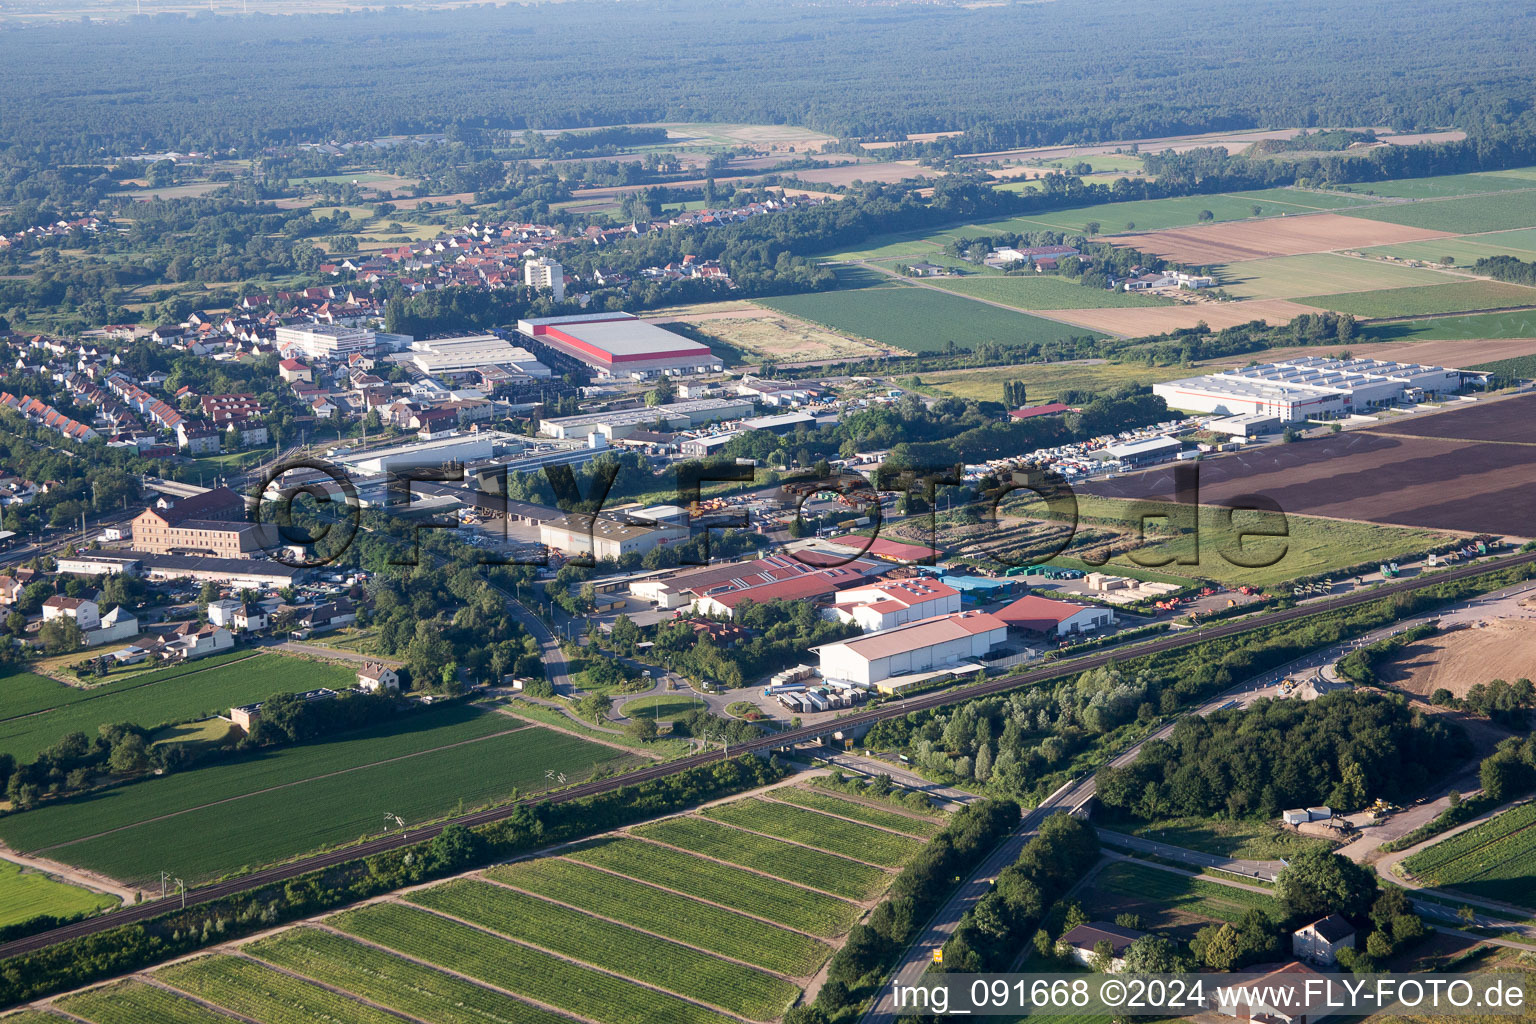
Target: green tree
[{"x": 1318, "y": 882}]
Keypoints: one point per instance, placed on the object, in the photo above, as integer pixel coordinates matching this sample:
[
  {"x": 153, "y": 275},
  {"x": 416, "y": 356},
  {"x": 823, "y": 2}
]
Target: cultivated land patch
[
  {"x": 1457, "y": 216},
  {"x": 819, "y": 800},
  {"x": 1495, "y": 860},
  {"x": 257, "y": 992},
  {"x": 919, "y": 319},
  {"x": 817, "y": 830},
  {"x": 1521, "y": 324},
  {"x": 1040, "y": 292},
  {"x": 1304, "y": 199},
  {"x": 1380, "y": 475},
  {"x": 1287, "y": 277},
  {"x": 1463, "y": 658},
  {"x": 1440, "y": 298},
  {"x": 1045, "y": 381},
  {"x": 134, "y": 1002},
  {"x": 1285, "y": 236},
  {"x": 237, "y": 814},
  {"x": 816, "y": 869},
  {"x": 1464, "y": 251},
  {"x": 768, "y": 334},
  {"x": 1216, "y": 315},
  {"x": 1463, "y": 354},
  {"x": 1168, "y": 895},
  {"x": 25, "y": 894},
  {"x": 151, "y": 699},
  {"x": 1449, "y": 185}
]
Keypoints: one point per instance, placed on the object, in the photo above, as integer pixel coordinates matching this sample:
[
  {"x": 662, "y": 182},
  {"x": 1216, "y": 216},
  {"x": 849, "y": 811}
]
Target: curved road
[{"x": 765, "y": 745}]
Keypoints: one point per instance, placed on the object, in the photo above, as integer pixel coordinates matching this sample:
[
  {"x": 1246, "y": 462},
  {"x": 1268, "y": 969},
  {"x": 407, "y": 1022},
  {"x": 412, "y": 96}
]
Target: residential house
[
  {"x": 375, "y": 677},
  {"x": 1088, "y": 942},
  {"x": 85, "y": 612},
  {"x": 1319, "y": 942}
]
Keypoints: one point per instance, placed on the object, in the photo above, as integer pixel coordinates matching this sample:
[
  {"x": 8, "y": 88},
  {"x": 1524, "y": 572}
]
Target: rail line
[{"x": 282, "y": 872}]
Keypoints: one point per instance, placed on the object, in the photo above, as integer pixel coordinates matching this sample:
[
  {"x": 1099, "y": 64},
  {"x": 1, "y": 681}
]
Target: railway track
[{"x": 293, "y": 869}]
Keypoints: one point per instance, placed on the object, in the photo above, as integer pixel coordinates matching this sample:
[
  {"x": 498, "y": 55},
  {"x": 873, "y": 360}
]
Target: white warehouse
[
  {"x": 926, "y": 645},
  {"x": 1311, "y": 387}
]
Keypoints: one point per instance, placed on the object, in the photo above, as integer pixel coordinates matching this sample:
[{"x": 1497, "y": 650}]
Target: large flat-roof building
[
  {"x": 1309, "y": 387},
  {"x": 623, "y": 422},
  {"x": 212, "y": 523},
  {"x": 607, "y": 536},
  {"x": 924, "y": 646},
  {"x": 324, "y": 341},
  {"x": 620, "y": 345},
  {"x": 884, "y": 604},
  {"x": 450, "y": 356}
]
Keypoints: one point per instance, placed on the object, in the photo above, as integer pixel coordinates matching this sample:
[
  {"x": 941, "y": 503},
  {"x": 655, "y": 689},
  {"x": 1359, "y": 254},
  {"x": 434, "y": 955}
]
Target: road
[{"x": 763, "y": 745}]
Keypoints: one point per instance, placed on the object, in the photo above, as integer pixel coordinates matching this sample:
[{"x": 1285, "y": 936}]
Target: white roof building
[
  {"x": 926, "y": 646},
  {"x": 1310, "y": 387},
  {"x": 885, "y": 604}
]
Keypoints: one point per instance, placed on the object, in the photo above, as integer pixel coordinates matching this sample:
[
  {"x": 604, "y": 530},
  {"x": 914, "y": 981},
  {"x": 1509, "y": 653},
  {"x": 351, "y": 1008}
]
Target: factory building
[
  {"x": 620, "y": 424},
  {"x": 1311, "y": 387},
  {"x": 620, "y": 345},
  {"x": 888, "y": 659},
  {"x": 607, "y": 536},
  {"x": 884, "y": 604},
  {"x": 446, "y": 357}
]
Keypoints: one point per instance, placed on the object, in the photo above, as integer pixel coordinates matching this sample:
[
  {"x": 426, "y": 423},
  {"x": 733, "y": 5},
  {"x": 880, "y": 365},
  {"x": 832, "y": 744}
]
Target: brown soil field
[
  {"x": 1501, "y": 422},
  {"x": 887, "y": 171},
  {"x": 1430, "y": 353},
  {"x": 1275, "y": 236},
  {"x": 1381, "y": 476},
  {"x": 1460, "y": 659},
  {"x": 771, "y": 335},
  {"x": 1140, "y": 320}
]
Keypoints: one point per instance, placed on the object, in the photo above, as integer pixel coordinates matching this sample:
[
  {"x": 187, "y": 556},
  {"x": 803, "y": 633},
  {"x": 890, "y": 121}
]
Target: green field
[
  {"x": 1519, "y": 324},
  {"x": 1495, "y": 860},
  {"x": 260, "y": 993},
  {"x": 1415, "y": 301},
  {"x": 666, "y": 914},
  {"x": 677, "y": 968},
  {"x": 424, "y": 993},
  {"x": 1040, "y": 292},
  {"x": 1446, "y": 185},
  {"x": 1312, "y": 545},
  {"x": 134, "y": 1002},
  {"x": 819, "y": 800},
  {"x": 663, "y": 707},
  {"x": 818, "y": 830},
  {"x": 1181, "y": 892},
  {"x": 1464, "y": 251},
  {"x": 824, "y": 871},
  {"x": 1520, "y": 367},
  {"x": 154, "y": 699},
  {"x": 1152, "y": 214},
  {"x": 1303, "y": 199},
  {"x": 1459, "y": 216},
  {"x": 236, "y": 814},
  {"x": 1285, "y": 277},
  {"x": 1046, "y": 382},
  {"x": 527, "y": 972},
  {"x": 736, "y": 888},
  {"x": 919, "y": 319},
  {"x": 1240, "y": 838},
  {"x": 26, "y": 894}
]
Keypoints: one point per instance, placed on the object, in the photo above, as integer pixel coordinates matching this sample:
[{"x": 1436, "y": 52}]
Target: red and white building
[
  {"x": 620, "y": 345},
  {"x": 885, "y": 604},
  {"x": 1033, "y": 614}
]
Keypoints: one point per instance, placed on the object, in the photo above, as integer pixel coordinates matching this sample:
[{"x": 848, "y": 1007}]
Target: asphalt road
[{"x": 767, "y": 744}]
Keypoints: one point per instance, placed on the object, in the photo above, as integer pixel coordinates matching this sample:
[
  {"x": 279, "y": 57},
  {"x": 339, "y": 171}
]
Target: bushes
[{"x": 1360, "y": 665}]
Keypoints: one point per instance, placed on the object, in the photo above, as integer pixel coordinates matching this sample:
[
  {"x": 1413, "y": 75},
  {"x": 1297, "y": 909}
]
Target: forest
[{"x": 1102, "y": 71}]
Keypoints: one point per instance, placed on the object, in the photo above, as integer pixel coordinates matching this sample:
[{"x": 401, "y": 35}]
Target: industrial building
[
  {"x": 446, "y": 357},
  {"x": 886, "y": 660},
  {"x": 324, "y": 341},
  {"x": 1144, "y": 452},
  {"x": 620, "y": 345},
  {"x": 622, "y": 423},
  {"x": 814, "y": 586},
  {"x": 211, "y": 523},
  {"x": 885, "y": 604},
  {"x": 1034, "y": 614},
  {"x": 607, "y": 536},
  {"x": 1309, "y": 388}
]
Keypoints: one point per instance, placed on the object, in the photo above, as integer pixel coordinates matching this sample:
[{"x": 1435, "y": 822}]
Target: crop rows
[
  {"x": 393, "y": 981},
  {"x": 816, "y": 800},
  {"x": 612, "y": 947},
  {"x": 259, "y": 992},
  {"x": 1193, "y": 895},
  {"x": 527, "y": 972},
  {"x": 825, "y": 871},
  {"x": 133, "y": 1002},
  {"x": 819, "y": 830},
  {"x": 736, "y": 888},
  {"x": 664, "y": 913},
  {"x": 1428, "y": 863}
]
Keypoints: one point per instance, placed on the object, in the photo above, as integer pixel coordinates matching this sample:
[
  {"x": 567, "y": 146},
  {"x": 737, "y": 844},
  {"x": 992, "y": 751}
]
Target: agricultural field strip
[
  {"x": 554, "y": 982},
  {"x": 341, "y": 992},
  {"x": 686, "y": 970},
  {"x": 1518, "y": 833},
  {"x": 801, "y": 843},
  {"x": 388, "y": 979},
  {"x": 258, "y": 992},
  {"x": 682, "y": 919},
  {"x": 287, "y": 785},
  {"x": 888, "y": 849},
  {"x": 128, "y": 685},
  {"x": 754, "y": 893},
  {"x": 137, "y": 1002},
  {"x": 1197, "y": 895},
  {"x": 816, "y": 869},
  {"x": 855, "y": 811}
]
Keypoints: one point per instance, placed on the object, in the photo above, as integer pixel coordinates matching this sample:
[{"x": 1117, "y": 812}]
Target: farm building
[
  {"x": 884, "y": 604},
  {"x": 1311, "y": 387},
  {"x": 880, "y": 660},
  {"x": 1084, "y": 942},
  {"x": 1320, "y": 941},
  {"x": 620, "y": 345},
  {"x": 1034, "y": 614}
]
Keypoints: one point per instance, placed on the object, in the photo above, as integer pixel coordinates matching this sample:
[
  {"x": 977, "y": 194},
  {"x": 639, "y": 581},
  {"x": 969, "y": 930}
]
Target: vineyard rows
[
  {"x": 263, "y": 994},
  {"x": 818, "y": 830},
  {"x": 133, "y": 1002},
  {"x": 921, "y": 828},
  {"x": 824, "y": 871}
]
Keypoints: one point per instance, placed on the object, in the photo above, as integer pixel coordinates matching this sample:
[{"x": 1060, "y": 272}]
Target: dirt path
[
  {"x": 285, "y": 785},
  {"x": 75, "y": 876}
]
